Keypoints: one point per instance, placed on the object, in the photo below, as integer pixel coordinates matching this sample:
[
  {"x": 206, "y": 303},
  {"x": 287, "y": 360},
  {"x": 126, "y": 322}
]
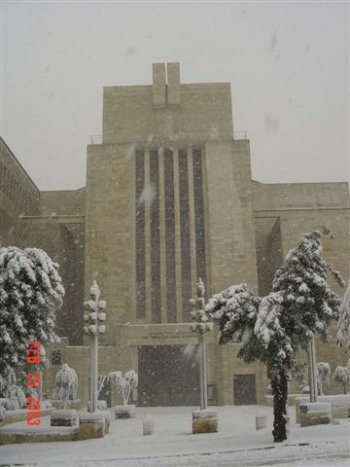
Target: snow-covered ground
[{"x": 236, "y": 444}]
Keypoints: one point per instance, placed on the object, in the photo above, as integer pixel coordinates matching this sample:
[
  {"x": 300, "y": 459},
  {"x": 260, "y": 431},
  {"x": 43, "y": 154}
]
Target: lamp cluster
[
  {"x": 201, "y": 323},
  {"x": 96, "y": 314}
]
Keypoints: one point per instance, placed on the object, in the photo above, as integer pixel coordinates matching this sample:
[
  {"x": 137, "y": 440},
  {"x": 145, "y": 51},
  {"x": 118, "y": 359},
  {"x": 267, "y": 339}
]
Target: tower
[{"x": 168, "y": 200}]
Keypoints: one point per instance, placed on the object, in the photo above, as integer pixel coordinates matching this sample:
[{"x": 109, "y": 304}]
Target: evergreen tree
[
  {"x": 305, "y": 307},
  {"x": 278, "y": 356},
  {"x": 272, "y": 329},
  {"x": 30, "y": 293},
  {"x": 308, "y": 302}
]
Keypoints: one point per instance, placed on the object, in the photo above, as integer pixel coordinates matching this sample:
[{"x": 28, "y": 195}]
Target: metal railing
[
  {"x": 240, "y": 135},
  {"x": 98, "y": 139}
]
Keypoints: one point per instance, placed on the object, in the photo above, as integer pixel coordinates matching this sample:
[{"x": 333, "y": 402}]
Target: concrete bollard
[
  {"x": 204, "y": 421},
  {"x": 148, "y": 425},
  {"x": 260, "y": 422}
]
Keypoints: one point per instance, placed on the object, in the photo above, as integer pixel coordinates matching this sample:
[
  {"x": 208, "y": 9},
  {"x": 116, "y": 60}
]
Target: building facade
[
  {"x": 53, "y": 221},
  {"x": 168, "y": 199}
]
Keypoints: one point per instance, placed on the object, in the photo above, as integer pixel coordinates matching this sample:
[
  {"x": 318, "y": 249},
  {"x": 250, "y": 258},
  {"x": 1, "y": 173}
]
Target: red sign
[{"x": 33, "y": 380}]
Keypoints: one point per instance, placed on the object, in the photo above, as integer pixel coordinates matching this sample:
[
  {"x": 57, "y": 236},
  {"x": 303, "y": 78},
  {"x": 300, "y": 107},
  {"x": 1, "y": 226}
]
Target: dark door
[
  {"x": 167, "y": 376},
  {"x": 244, "y": 390}
]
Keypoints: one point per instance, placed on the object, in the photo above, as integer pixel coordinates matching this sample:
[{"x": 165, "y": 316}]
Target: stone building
[
  {"x": 169, "y": 198},
  {"x": 53, "y": 221}
]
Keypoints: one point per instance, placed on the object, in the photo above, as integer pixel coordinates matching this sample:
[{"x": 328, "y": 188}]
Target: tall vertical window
[
  {"x": 199, "y": 213},
  {"x": 140, "y": 234},
  {"x": 167, "y": 241},
  {"x": 170, "y": 235},
  {"x": 185, "y": 235},
  {"x": 155, "y": 237}
]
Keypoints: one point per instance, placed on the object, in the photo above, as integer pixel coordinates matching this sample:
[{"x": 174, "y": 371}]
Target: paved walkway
[{"x": 172, "y": 444}]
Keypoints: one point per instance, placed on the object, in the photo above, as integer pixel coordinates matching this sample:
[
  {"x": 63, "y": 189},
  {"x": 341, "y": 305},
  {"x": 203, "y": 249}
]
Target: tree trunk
[{"x": 279, "y": 385}]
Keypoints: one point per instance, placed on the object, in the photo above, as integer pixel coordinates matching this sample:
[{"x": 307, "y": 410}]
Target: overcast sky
[{"x": 288, "y": 65}]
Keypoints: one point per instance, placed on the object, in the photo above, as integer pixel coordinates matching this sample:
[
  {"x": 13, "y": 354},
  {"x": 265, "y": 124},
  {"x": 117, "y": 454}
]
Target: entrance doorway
[{"x": 167, "y": 376}]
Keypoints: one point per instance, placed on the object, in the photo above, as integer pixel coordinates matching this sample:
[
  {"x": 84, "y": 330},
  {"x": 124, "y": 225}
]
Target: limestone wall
[
  {"x": 129, "y": 115},
  {"x": 281, "y": 196},
  {"x": 231, "y": 237},
  {"x": 67, "y": 202},
  {"x": 109, "y": 230},
  {"x": 18, "y": 194}
]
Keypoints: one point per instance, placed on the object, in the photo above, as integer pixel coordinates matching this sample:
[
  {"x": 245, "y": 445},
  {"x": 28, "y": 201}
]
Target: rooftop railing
[
  {"x": 98, "y": 139},
  {"x": 240, "y": 135}
]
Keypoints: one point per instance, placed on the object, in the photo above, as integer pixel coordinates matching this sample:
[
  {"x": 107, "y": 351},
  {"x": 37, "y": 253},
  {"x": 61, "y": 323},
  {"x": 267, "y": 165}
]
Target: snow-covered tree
[
  {"x": 15, "y": 399},
  {"x": 307, "y": 305},
  {"x": 323, "y": 375},
  {"x": 126, "y": 384},
  {"x": 273, "y": 328},
  {"x": 66, "y": 384},
  {"x": 342, "y": 375},
  {"x": 343, "y": 335},
  {"x": 278, "y": 355},
  {"x": 30, "y": 293},
  {"x": 302, "y": 281}
]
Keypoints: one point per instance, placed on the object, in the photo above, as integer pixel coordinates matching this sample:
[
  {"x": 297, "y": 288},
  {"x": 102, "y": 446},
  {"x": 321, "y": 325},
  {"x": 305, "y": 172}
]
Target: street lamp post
[
  {"x": 200, "y": 326},
  {"x": 312, "y": 364},
  {"x": 96, "y": 315}
]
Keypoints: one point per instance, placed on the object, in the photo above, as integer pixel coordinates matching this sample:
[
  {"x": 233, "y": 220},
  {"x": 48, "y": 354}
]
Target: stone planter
[
  {"x": 315, "y": 413},
  {"x": 64, "y": 418},
  {"x": 340, "y": 405},
  {"x": 93, "y": 425},
  {"x": 37, "y": 434},
  {"x": 204, "y": 421},
  {"x": 13, "y": 416},
  {"x": 124, "y": 411},
  {"x": 74, "y": 404},
  {"x": 148, "y": 425},
  {"x": 260, "y": 422},
  {"x": 2, "y": 413}
]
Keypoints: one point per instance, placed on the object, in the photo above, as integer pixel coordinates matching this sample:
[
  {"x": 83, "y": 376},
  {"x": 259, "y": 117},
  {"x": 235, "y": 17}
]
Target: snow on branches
[
  {"x": 272, "y": 329},
  {"x": 271, "y": 332},
  {"x": 30, "y": 293},
  {"x": 126, "y": 384},
  {"x": 66, "y": 384},
  {"x": 342, "y": 375},
  {"x": 343, "y": 334},
  {"x": 323, "y": 375},
  {"x": 235, "y": 310},
  {"x": 308, "y": 302}
]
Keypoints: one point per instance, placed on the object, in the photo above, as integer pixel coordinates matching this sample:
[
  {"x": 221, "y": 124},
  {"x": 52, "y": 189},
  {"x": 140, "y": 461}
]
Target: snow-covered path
[{"x": 237, "y": 443}]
